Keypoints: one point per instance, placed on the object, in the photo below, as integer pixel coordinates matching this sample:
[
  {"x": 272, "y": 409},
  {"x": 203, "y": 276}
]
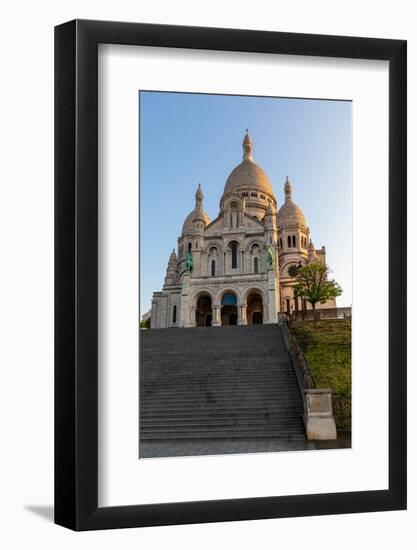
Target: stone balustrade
[{"x": 318, "y": 411}]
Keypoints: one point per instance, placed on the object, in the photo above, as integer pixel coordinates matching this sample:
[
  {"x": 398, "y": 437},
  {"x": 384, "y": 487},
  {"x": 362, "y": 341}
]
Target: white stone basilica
[{"x": 239, "y": 268}]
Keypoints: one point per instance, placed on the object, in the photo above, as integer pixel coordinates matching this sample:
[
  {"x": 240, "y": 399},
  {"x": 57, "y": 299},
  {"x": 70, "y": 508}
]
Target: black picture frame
[{"x": 76, "y": 273}]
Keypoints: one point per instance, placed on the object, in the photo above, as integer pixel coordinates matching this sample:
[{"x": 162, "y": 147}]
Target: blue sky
[{"x": 186, "y": 139}]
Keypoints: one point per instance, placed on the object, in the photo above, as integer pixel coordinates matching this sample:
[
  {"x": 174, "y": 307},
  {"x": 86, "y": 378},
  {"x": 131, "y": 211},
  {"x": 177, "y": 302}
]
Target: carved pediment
[
  {"x": 214, "y": 228},
  {"x": 251, "y": 222}
]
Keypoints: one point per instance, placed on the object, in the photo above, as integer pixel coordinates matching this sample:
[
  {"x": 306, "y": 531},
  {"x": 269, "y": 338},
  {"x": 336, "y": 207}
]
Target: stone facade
[{"x": 240, "y": 267}]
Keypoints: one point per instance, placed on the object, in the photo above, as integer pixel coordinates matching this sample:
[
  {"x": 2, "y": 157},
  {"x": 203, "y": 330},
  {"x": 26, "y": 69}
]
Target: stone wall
[{"x": 325, "y": 313}]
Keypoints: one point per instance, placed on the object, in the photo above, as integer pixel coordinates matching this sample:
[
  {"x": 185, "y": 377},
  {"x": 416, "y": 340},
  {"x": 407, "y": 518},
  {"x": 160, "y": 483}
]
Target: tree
[
  {"x": 145, "y": 323},
  {"x": 312, "y": 284}
]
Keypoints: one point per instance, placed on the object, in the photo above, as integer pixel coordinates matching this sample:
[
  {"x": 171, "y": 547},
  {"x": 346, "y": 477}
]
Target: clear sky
[{"x": 186, "y": 139}]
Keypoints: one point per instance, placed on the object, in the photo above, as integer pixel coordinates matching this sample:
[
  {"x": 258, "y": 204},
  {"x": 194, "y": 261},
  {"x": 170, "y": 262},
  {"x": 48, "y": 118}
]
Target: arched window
[
  {"x": 289, "y": 241},
  {"x": 189, "y": 247},
  {"x": 256, "y": 265},
  {"x": 174, "y": 314},
  {"x": 213, "y": 268},
  {"x": 229, "y": 299},
  {"x": 293, "y": 241},
  {"x": 280, "y": 243},
  {"x": 234, "y": 255}
]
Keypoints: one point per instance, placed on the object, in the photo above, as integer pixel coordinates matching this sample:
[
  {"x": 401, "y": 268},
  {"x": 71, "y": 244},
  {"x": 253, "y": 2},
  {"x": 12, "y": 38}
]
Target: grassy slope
[{"x": 327, "y": 349}]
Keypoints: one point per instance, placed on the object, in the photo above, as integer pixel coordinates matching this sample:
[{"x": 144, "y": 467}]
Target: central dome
[{"x": 248, "y": 176}]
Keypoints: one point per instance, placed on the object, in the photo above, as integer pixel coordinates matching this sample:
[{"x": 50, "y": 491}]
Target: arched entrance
[
  {"x": 203, "y": 311},
  {"x": 254, "y": 309},
  {"x": 229, "y": 309}
]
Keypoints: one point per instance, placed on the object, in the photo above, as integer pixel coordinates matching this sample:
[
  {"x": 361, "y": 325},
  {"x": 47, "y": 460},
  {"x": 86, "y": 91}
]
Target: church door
[
  {"x": 232, "y": 319},
  {"x": 229, "y": 309},
  {"x": 257, "y": 318},
  {"x": 203, "y": 311},
  {"x": 254, "y": 309}
]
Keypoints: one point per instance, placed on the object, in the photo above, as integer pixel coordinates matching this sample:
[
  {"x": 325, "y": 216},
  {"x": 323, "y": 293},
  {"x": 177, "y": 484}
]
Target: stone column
[
  {"x": 216, "y": 322},
  {"x": 244, "y": 316},
  {"x": 265, "y": 314},
  {"x": 273, "y": 297},
  {"x": 241, "y": 314},
  {"x": 192, "y": 320},
  {"x": 184, "y": 312},
  {"x": 154, "y": 313}
]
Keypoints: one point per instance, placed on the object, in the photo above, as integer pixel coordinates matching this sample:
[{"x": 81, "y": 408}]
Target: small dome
[
  {"x": 198, "y": 214},
  {"x": 290, "y": 213}
]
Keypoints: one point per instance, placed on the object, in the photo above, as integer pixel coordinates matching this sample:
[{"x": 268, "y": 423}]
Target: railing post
[{"x": 318, "y": 414}]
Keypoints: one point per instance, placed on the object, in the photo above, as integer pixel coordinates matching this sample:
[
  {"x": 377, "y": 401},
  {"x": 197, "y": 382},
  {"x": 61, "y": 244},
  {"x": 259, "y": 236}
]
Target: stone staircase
[{"x": 218, "y": 383}]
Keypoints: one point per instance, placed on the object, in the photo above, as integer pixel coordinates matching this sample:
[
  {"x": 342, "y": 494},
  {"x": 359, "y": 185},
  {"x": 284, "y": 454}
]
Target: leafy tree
[
  {"x": 312, "y": 283},
  {"x": 145, "y": 323}
]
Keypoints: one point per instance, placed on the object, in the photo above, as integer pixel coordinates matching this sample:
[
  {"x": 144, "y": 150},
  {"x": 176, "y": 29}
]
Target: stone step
[
  {"x": 205, "y": 404},
  {"x": 245, "y": 364},
  {"x": 161, "y": 438},
  {"x": 253, "y": 426},
  {"x": 273, "y": 367},
  {"x": 234, "y": 394},
  {"x": 203, "y": 383},
  {"x": 177, "y": 409},
  {"x": 223, "y": 429},
  {"x": 211, "y": 383}
]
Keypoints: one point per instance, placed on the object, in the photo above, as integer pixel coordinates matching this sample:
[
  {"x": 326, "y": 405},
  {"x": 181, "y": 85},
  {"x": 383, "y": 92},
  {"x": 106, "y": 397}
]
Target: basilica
[{"x": 241, "y": 267}]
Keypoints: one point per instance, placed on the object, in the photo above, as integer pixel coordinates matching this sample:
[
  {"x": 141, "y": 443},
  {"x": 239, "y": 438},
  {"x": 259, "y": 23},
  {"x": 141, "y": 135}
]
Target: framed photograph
[{"x": 230, "y": 284}]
